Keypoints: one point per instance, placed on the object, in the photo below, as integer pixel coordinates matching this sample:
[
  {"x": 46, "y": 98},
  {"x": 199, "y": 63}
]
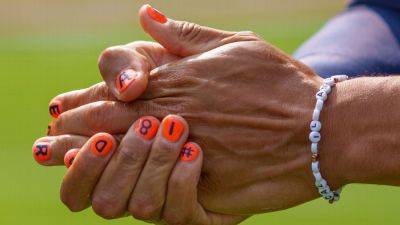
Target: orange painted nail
[
  {"x": 55, "y": 109},
  {"x": 124, "y": 79},
  {"x": 70, "y": 157},
  {"x": 147, "y": 127},
  {"x": 101, "y": 145},
  {"x": 189, "y": 152},
  {"x": 173, "y": 128},
  {"x": 41, "y": 151},
  {"x": 156, "y": 15}
]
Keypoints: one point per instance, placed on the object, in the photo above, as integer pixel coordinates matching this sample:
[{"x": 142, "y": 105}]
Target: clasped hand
[{"x": 248, "y": 105}]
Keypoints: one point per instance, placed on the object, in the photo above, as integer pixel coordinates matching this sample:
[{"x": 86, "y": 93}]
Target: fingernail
[
  {"x": 49, "y": 128},
  {"x": 147, "y": 127},
  {"x": 55, "y": 108},
  {"x": 173, "y": 128},
  {"x": 124, "y": 79},
  {"x": 70, "y": 157},
  {"x": 189, "y": 152},
  {"x": 101, "y": 145},
  {"x": 156, "y": 15},
  {"x": 41, "y": 151}
]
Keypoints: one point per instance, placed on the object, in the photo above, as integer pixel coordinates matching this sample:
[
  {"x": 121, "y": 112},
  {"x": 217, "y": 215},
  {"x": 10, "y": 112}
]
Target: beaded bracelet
[{"x": 315, "y": 137}]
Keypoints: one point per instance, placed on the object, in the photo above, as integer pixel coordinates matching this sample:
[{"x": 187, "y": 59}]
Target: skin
[
  {"x": 114, "y": 185},
  {"x": 257, "y": 131}
]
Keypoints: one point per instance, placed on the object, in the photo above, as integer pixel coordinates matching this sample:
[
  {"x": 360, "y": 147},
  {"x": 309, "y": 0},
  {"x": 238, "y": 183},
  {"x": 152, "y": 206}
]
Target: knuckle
[
  {"x": 131, "y": 154},
  {"x": 106, "y": 207},
  {"x": 249, "y": 34},
  {"x": 57, "y": 125},
  {"x": 187, "y": 30},
  {"x": 63, "y": 142},
  {"x": 144, "y": 209},
  {"x": 243, "y": 36},
  {"x": 178, "y": 182},
  {"x": 159, "y": 161},
  {"x": 96, "y": 115},
  {"x": 100, "y": 90},
  {"x": 110, "y": 53},
  {"x": 169, "y": 155},
  {"x": 110, "y": 57}
]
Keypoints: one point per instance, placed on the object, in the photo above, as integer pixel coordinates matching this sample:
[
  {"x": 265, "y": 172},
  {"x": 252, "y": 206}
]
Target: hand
[
  {"x": 122, "y": 179},
  {"x": 249, "y": 106}
]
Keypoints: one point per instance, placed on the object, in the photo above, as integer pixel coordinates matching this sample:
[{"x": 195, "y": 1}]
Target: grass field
[{"x": 48, "y": 47}]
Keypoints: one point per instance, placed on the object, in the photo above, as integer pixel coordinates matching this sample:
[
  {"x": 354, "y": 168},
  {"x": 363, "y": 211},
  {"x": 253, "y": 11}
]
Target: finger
[
  {"x": 112, "y": 193},
  {"x": 181, "y": 206},
  {"x": 50, "y": 151},
  {"x": 126, "y": 68},
  {"x": 184, "y": 38},
  {"x": 82, "y": 176},
  {"x": 74, "y": 99},
  {"x": 104, "y": 116},
  {"x": 149, "y": 194},
  {"x": 70, "y": 157}
]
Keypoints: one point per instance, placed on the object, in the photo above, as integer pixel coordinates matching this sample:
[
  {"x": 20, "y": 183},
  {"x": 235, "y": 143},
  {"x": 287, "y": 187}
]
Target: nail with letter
[
  {"x": 173, "y": 128},
  {"x": 41, "y": 151},
  {"x": 55, "y": 108},
  {"x": 189, "y": 152},
  {"x": 124, "y": 79},
  {"x": 147, "y": 127},
  {"x": 101, "y": 144}
]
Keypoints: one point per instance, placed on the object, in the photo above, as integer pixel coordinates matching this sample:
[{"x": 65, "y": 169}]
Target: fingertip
[
  {"x": 70, "y": 157},
  {"x": 146, "y": 127},
  {"x": 41, "y": 151},
  {"x": 130, "y": 84},
  {"x": 55, "y": 108},
  {"x": 102, "y": 144},
  {"x": 191, "y": 151},
  {"x": 174, "y": 128},
  {"x": 148, "y": 16}
]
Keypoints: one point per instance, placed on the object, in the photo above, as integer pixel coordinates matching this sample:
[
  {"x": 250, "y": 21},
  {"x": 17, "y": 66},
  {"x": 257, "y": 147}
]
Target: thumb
[
  {"x": 126, "y": 68},
  {"x": 184, "y": 38}
]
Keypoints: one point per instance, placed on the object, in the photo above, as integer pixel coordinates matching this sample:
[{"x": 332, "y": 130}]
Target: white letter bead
[
  {"x": 315, "y": 167},
  {"x": 327, "y": 88},
  {"x": 321, "y": 184},
  {"x": 340, "y": 78},
  {"x": 317, "y": 176},
  {"x": 315, "y": 137},
  {"x": 327, "y": 195},
  {"x": 315, "y": 115},
  {"x": 321, "y": 95},
  {"x": 329, "y": 81},
  {"x": 315, "y": 125},
  {"x": 314, "y": 148},
  {"x": 319, "y": 104}
]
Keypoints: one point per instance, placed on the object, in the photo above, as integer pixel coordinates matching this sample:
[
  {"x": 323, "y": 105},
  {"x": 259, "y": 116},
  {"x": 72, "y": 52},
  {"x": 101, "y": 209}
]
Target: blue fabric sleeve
[{"x": 363, "y": 40}]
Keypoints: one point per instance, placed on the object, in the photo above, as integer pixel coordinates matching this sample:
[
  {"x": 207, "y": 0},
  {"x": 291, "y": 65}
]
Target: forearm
[
  {"x": 361, "y": 40},
  {"x": 362, "y": 131}
]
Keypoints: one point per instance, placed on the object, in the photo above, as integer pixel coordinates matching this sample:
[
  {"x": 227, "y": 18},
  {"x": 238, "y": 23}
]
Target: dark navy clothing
[
  {"x": 362, "y": 40},
  {"x": 395, "y": 4}
]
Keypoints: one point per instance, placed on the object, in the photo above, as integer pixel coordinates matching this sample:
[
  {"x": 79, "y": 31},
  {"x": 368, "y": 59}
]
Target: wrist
[{"x": 361, "y": 142}]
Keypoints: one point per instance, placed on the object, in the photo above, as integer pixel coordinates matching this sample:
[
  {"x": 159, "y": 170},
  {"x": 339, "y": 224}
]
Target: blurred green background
[{"x": 49, "y": 47}]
